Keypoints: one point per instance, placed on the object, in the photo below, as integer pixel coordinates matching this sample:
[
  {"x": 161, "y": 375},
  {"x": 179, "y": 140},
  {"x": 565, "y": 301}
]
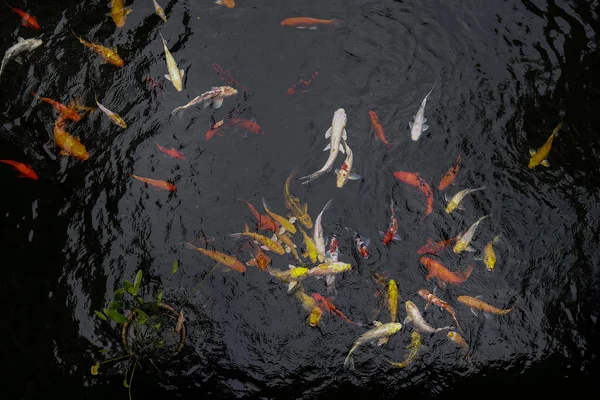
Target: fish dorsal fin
[
  {"x": 532, "y": 152},
  {"x": 290, "y": 266},
  {"x": 305, "y": 208},
  {"x": 480, "y": 297},
  {"x": 20, "y": 39},
  {"x": 377, "y": 323}
]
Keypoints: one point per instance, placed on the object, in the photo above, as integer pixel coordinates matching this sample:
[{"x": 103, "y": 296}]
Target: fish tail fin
[
  {"x": 497, "y": 238},
  {"x": 78, "y": 38},
  {"x": 265, "y": 204},
  {"x": 236, "y": 235},
  {"x": 35, "y": 94},
  {"x": 349, "y": 362},
  {"x": 327, "y": 205},
  {"x": 555, "y": 133},
  {"x": 336, "y": 22},
  {"x": 188, "y": 245}
]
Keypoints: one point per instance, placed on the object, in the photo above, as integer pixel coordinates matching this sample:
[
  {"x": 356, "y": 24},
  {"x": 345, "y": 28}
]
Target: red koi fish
[
  {"x": 444, "y": 275},
  {"x": 432, "y": 247},
  {"x": 390, "y": 234},
  {"x": 171, "y": 152},
  {"x": 25, "y": 170},
  {"x": 414, "y": 179},
  {"x": 66, "y": 111},
  {"x": 378, "y": 129},
  {"x": 302, "y": 85},
  {"x": 156, "y": 183},
  {"x": 247, "y": 125},
  {"x": 307, "y": 22},
  {"x": 260, "y": 260},
  {"x": 264, "y": 221},
  {"x": 225, "y": 75},
  {"x": 214, "y": 129},
  {"x": 450, "y": 175},
  {"x": 27, "y": 20},
  {"x": 326, "y": 304}
]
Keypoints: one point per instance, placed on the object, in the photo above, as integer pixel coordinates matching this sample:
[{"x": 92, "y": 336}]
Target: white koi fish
[
  {"x": 175, "y": 74},
  {"x": 318, "y": 234},
  {"x": 418, "y": 126},
  {"x": 22, "y": 46},
  {"x": 417, "y": 319},
  {"x": 454, "y": 202},
  {"x": 215, "y": 95},
  {"x": 343, "y": 174},
  {"x": 114, "y": 117},
  {"x": 464, "y": 240},
  {"x": 381, "y": 333}
]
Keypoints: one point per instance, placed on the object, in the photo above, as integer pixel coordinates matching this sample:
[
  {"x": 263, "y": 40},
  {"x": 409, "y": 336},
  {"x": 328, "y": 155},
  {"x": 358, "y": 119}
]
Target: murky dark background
[{"x": 506, "y": 73}]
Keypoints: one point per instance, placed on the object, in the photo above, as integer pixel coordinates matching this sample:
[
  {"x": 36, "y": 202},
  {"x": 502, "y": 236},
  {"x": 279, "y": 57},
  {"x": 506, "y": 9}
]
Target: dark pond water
[{"x": 505, "y": 74}]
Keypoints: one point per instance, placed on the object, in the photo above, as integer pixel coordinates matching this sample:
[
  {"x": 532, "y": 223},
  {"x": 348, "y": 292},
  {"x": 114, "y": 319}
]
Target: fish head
[
  {"x": 531, "y": 164},
  {"x": 315, "y": 316},
  {"x": 229, "y": 91},
  {"x": 306, "y": 221},
  {"x": 392, "y": 285},
  {"x": 342, "y": 177},
  {"x": 115, "y": 59},
  {"x": 459, "y": 246},
  {"x": 394, "y": 327},
  {"x": 452, "y": 335},
  {"x": 411, "y": 308},
  {"x": 423, "y": 293},
  {"x": 340, "y": 117}
]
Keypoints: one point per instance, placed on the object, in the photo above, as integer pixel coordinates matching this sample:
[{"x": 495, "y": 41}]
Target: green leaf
[
  {"x": 140, "y": 300},
  {"x": 175, "y": 267},
  {"x": 100, "y": 315},
  {"x": 125, "y": 383},
  {"x": 94, "y": 369},
  {"x": 114, "y": 305},
  {"x": 157, "y": 326},
  {"x": 103, "y": 351},
  {"x": 142, "y": 317},
  {"x": 128, "y": 286},
  {"x": 118, "y": 296},
  {"x": 115, "y": 316},
  {"x": 138, "y": 281},
  {"x": 159, "y": 300}
]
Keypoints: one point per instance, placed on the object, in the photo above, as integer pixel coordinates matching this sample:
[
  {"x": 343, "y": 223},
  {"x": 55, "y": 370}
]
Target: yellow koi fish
[
  {"x": 539, "y": 157},
  {"x": 109, "y": 55},
  {"x": 309, "y": 304},
  {"x": 413, "y": 350},
  {"x": 114, "y": 117},
  {"x": 489, "y": 257},
  {"x": 265, "y": 241},
  {"x": 293, "y": 204},
  {"x": 159, "y": 11},
  {"x": 454, "y": 202},
  {"x": 119, "y": 12},
  {"x": 291, "y": 276},
  {"x": 311, "y": 249},
  {"x": 392, "y": 299},
  {"x": 290, "y": 246},
  {"x": 286, "y": 225},
  {"x": 175, "y": 74}
]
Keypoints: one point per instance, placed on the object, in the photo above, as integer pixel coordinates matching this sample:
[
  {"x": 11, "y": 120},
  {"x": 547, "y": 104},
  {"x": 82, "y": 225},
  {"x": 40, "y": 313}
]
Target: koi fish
[
  {"x": 109, "y": 55},
  {"x": 260, "y": 260},
  {"x": 418, "y": 125},
  {"x": 433, "y": 299},
  {"x": 361, "y": 245},
  {"x": 381, "y": 333},
  {"x": 114, "y": 117},
  {"x": 171, "y": 152},
  {"x": 332, "y": 255},
  {"x": 336, "y": 132},
  {"x": 450, "y": 175},
  {"x": 226, "y": 3},
  {"x": 475, "y": 303},
  {"x": 318, "y": 233},
  {"x": 225, "y": 75},
  {"x": 286, "y": 225},
  {"x": 414, "y": 316},
  {"x": 293, "y": 203},
  {"x": 291, "y": 276},
  {"x": 247, "y": 125},
  {"x": 489, "y": 256},
  {"x": 268, "y": 244},
  {"x": 158, "y": 184},
  {"x": 437, "y": 270},
  {"x": 26, "y": 20},
  {"x": 378, "y": 129},
  {"x": 539, "y": 157},
  {"x": 392, "y": 299},
  {"x": 432, "y": 247},
  {"x": 327, "y": 305},
  {"x": 175, "y": 74},
  {"x": 311, "y": 249},
  {"x": 214, "y": 128},
  {"x": 24, "y": 170},
  {"x": 22, "y": 46},
  {"x": 159, "y": 11},
  {"x": 68, "y": 144},
  {"x": 454, "y": 202},
  {"x": 228, "y": 261},
  {"x": 460, "y": 342},
  {"x": 464, "y": 239},
  {"x": 390, "y": 234},
  {"x": 413, "y": 350},
  {"x": 67, "y": 112},
  {"x": 302, "y": 85},
  {"x": 119, "y": 12},
  {"x": 310, "y": 23},
  {"x": 309, "y": 304},
  {"x": 264, "y": 221},
  {"x": 329, "y": 268},
  {"x": 343, "y": 174},
  {"x": 289, "y": 245},
  {"x": 215, "y": 95},
  {"x": 414, "y": 179}
]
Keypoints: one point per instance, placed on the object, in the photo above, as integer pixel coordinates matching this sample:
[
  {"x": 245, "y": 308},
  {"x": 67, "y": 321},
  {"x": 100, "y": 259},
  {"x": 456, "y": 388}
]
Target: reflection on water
[{"x": 505, "y": 75}]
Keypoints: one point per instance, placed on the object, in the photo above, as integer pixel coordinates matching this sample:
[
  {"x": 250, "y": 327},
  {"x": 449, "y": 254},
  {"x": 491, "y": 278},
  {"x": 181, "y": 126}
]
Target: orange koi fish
[
  {"x": 67, "y": 112},
  {"x": 444, "y": 275},
  {"x": 302, "y": 85},
  {"x": 214, "y": 129},
  {"x": 247, "y": 125},
  {"x": 475, "y": 304},
  {"x": 264, "y": 221},
  {"x": 225, "y": 75},
  {"x": 25, "y": 170},
  {"x": 450, "y": 175},
  {"x": 119, "y": 12},
  {"x": 433, "y": 299},
  {"x": 414, "y": 179},
  {"x": 109, "y": 55},
  {"x": 432, "y": 247},
  {"x": 156, "y": 183},
  {"x": 171, "y": 152},
  {"x": 69, "y": 145},
  {"x": 326, "y": 304},
  {"x": 226, "y": 260},
  {"x": 27, "y": 20},
  {"x": 226, "y": 3},
  {"x": 260, "y": 260},
  {"x": 390, "y": 234},
  {"x": 310, "y": 23},
  {"x": 378, "y": 129}
]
